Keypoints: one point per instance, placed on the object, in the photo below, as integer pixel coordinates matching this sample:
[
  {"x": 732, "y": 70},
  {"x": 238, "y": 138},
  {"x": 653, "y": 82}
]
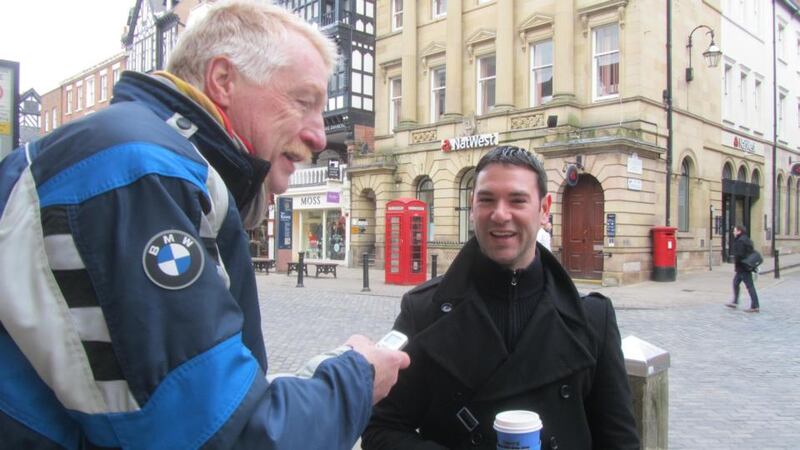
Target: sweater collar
[{"x": 493, "y": 281}]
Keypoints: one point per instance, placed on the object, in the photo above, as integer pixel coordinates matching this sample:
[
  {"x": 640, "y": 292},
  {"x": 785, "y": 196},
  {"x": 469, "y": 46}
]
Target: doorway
[{"x": 583, "y": 229}]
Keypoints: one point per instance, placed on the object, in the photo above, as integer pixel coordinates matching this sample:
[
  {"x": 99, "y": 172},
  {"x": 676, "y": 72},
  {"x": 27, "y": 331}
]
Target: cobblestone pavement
[{"x": 734, "y": 379}]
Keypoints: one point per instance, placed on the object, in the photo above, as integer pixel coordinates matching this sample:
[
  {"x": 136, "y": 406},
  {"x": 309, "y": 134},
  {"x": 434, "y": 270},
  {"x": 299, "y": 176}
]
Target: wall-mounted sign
[
  {"x": 333, "y": 169},
  {"x": 634, "y": 164},
  {"x": 745, "y": 145},
  {"x": 322, "y": 200},
  {"x": 634, "y": 184},
  {"x": 467, "y": 142},
  {"x": 9, "y": 113},
  {"x": 611, "y": 225},
  {"x": 284, "y": 223},
  {"x": 742, "y": 143}
]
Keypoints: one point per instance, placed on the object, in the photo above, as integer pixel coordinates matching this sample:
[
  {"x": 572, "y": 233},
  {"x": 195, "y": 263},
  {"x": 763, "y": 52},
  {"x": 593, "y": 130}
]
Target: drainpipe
[
  {"x": 668, "y": 101},
  {"x": 774, "y": 124}
]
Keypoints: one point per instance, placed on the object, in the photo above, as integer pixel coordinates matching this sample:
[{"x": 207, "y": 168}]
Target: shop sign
[
  {"x": 333, "y": 169},
  {"x": 308, "y": 201},
  {"x": 467, "y": 142},
  {"x": 284, "y": 223},
  {"x": 332, "y": 197},
  {"x": 745, "y": 145}
]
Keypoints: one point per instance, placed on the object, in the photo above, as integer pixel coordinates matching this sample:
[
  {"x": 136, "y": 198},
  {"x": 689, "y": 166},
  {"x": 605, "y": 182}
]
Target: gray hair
[
  {"x": 252, "y": 34},
  {"x": 515, "y": 156}
]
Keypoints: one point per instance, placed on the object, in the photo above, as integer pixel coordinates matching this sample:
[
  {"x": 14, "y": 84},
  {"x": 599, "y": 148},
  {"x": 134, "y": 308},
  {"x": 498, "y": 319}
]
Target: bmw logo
[{"x": 173, "y": 259}]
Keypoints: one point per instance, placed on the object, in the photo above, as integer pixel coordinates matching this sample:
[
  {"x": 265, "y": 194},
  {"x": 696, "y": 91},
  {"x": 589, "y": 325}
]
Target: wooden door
[{"x": 583, "y": 229}]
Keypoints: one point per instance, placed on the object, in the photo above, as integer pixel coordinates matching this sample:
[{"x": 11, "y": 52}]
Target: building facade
[
  {"x": 581, "y": 83},
  {"x": 313, "y": 216}
]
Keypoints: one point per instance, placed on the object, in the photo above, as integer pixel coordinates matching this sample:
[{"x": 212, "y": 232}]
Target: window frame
[
  {"x": 395, "y": 103},
  {"x": 532, "y": 97},
  {"x": 684, "y": 196},
  {"x": 423, "y": 191},
  {"x": 466, "y": 187},
  {"x": 397, "y": 16},
  {"x": 438, "y": 5},
  {"x": 480, "y": 82},
  {"x": 437, "y": 92},
  {"x": 596, "y": 56}
]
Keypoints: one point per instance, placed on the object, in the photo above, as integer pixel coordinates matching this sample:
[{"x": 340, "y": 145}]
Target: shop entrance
[
  {"x": 738, "y": 198},
  {"x": 582, "y": 229}
]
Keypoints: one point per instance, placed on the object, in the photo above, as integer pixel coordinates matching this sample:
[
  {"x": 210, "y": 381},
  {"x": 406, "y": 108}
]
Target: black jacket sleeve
[{"x": 609, "y": 408}]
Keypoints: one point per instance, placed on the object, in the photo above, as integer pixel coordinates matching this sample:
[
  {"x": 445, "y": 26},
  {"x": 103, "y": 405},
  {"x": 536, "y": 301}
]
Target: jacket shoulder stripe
[
  {"x": 11, "y": 168},
  {"x": 116, "y": 167},
  {"x": 211, "y": 385}
]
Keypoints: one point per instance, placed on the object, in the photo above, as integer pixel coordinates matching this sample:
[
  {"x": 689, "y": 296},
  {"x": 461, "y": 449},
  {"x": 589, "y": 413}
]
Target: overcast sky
[{"x": 56, "y": 39}]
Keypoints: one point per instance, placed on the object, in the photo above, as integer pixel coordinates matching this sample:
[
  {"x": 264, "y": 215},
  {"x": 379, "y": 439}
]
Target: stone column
[
  {"x": 454, "y": 60},
  {"x": 408, "y": 110},
  {"x": 505, "y": 47},
  {"x": 563, "y": 51}
]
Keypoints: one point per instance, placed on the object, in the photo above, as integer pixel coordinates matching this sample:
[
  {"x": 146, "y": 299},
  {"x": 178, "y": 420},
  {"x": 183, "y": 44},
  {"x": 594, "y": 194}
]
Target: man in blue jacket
[{"x": 128, "y": 301}]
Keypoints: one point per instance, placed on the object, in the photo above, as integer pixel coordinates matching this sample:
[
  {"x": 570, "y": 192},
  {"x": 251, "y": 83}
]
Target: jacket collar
[
  {"x": 243, "y": 174},
  {"x": 465, "y": 342}
]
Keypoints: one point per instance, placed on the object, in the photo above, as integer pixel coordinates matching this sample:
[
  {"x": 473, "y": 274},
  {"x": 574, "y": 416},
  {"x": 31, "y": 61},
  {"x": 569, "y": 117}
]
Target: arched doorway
[{"x": 583, "y": 229}]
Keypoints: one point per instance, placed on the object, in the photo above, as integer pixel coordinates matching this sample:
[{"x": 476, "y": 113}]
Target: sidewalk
[{"x": 693, "y": 288}]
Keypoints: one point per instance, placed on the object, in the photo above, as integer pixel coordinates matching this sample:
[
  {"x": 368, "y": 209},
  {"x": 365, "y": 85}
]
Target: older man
[
  {"x": 129, "y": 308},
  {"x": 505, "y": 329}
]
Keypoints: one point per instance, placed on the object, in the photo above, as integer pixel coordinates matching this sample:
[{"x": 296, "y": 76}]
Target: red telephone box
[{"x": 406, "y": 241}]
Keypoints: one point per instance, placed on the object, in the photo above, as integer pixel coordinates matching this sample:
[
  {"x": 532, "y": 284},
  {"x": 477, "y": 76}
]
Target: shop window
[
  {"x": 312, "y": 234},
  {"x": 789, "y": 206},
  {"x": 778, "y": 206},
  {"x": 466, "y": 227},
  {"x": 425, "y": 193},
  {"x": 335, "y": 235}
]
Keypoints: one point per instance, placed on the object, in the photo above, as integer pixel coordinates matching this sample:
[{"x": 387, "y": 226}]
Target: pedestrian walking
[
  {"x": 544, "y": 236},
  {"x": 742, "y": 247}
]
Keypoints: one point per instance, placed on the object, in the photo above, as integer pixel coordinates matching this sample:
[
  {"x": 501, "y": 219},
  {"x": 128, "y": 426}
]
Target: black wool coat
[{"x": 567, "y": 366}]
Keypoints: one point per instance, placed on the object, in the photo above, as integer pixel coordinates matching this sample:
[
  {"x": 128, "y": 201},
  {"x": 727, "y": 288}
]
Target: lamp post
[{"x": 712, "y": 55}]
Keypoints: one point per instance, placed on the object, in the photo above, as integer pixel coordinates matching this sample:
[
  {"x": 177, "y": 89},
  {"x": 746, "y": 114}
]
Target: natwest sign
[
  {"x": 466, "y": 142},
  {"x": 745, "y": 145}
]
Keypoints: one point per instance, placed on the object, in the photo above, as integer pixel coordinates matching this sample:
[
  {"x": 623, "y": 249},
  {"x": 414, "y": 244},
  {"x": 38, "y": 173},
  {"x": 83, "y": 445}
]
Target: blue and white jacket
[{"x": 128, "y": 302}]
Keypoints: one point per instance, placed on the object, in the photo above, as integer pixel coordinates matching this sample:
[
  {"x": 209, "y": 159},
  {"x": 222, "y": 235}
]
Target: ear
[
  {"x": 547, "y": 201},
  {"x": 220, "y": 81}
]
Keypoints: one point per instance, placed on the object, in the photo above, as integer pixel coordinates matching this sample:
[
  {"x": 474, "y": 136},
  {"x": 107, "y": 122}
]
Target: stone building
[{"x": 581, "y": 83}]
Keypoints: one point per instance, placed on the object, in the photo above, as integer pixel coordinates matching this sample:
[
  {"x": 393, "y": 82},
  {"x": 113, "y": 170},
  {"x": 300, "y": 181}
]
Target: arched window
[
  {"x": 425, "y": 193},
  {"x": 727, "y": 172},
  {"x": 683, "y": 196},
  {"x": 742, "y": 175},
  {"x": 778, "y": 205},
  {"x": 465, "y": 225},
  {"x": 755, "y": 178}
]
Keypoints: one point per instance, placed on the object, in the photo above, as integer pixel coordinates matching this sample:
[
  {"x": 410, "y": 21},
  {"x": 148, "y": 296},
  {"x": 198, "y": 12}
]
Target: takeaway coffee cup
[{"x": 518, "y": 430}]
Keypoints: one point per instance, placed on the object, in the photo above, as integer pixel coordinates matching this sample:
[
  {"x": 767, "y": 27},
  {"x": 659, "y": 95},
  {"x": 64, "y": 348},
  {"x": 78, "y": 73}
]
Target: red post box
[
  {"x": 406, "y": 241},
  {"x": 664, "y": 253}
]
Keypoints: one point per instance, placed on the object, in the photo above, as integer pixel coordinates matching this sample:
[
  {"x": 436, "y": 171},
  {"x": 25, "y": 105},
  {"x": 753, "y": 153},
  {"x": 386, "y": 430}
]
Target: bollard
[
  {"x": 777, "y": 263},
  {"x": 433, "y": 266},
  {"x": 647, "y": 367},
  {"x": 300, "y": 268},
  {"x": 365, "y": 258}
]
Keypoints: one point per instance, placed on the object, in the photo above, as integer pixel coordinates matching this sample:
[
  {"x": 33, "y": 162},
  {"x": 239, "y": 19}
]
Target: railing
[
  {"x": 329, "y": 18},
  {"x": 314, "y": 176}
]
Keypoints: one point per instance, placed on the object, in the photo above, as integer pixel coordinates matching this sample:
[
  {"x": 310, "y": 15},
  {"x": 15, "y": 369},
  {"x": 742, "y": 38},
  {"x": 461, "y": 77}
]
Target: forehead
[{"x": 506, "y": 177}]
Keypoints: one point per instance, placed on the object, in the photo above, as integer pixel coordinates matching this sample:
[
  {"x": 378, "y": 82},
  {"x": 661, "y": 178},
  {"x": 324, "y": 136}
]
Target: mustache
[{"x": 298, "y": 151}]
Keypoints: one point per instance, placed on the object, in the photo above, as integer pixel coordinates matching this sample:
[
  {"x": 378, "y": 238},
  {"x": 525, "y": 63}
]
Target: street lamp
[{"x": 711, "y": 55}]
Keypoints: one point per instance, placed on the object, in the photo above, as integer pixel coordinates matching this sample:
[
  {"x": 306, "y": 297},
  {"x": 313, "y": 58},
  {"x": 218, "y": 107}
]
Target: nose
[
  {"x": 313, "y": 134},
  {"x": 501, "y": 213}
]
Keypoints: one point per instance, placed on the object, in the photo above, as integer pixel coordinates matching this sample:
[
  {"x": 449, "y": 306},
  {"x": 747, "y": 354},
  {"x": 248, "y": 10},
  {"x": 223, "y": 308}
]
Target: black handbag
[{"x": 752, "y": 261}]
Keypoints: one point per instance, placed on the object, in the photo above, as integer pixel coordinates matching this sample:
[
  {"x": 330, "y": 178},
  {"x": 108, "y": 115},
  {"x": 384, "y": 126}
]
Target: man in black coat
[
  {"x": 506, "y": 329},
  {"x": 742, "y": 247}
]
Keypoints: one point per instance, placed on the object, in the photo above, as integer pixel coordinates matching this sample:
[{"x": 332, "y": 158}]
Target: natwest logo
[
  {"x": 796, "y": 169},
  {"x": 744, "y": 145},
  {"x": 466, "y": 142}
]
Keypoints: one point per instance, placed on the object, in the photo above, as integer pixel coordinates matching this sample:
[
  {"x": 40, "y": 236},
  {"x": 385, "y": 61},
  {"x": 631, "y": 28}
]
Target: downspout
[
  {"x": 668, "y": 100},
  {"x": 774, "y": 124}
]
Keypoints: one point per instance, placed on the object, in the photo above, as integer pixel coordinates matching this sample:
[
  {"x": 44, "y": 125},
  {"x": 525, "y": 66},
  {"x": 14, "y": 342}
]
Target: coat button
[
  {"x": 183, "y": 123},
  {"x": 553, "y": 443},
  {"x": 565, "y": 391},
  {"x": 446, "y": 307},
  {"x": 476, "y": 438}
]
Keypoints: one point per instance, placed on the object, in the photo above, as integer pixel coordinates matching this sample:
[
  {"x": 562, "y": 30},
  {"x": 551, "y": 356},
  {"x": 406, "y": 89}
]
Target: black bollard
[
  {"x": 300, "y": 268},
  {"x": 433, "y": 266},
  {"x": 777, "y": 263},
  {"x": 365, "y": 260}
]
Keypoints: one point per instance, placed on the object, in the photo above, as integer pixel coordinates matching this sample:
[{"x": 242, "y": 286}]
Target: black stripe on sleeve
[
  {"x": 103, "y": 361},
  {"x": 54, "y": 220},
  {"x": 76, "y": 287}
]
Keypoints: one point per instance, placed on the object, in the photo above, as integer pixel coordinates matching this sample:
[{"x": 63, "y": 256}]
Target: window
[
  {"x": 438, "y": 77},
  {"x": 46, "y": 121},
  {"x": 781, "y": 113},
  {"x": 487, "y": 72},
  {"x": 797, "y": 208},
  {"x": 605, "y": 61},
  {"x": 781, "y": 44},
  {"x": 439, "y": 8},
  {"x": 727, "y": 91},
  {"x": 103, "y": 87},
  {"x": 425, "y": 193},
  {"x": 466, "y": 227},
  {"x": 55, "y": 118},
  {"x": 788, "y": 205},
  {"x": 541, "y": 72},
  {"x": 80, "y": 97},
  {"x": 741, "y": 175},
  {"x": 395, "y": 99},
  {"x": 778, "y": 205},
  {"x": 397, "y": 15},
  {"x": 69, "y": 100},
  {"x": 115, "y": 75},
  {"x": 757, "y": 104},
  {"x": 743, "y": 97},
  {"x": 683, "y": 196},
  {"x": 90, "y": 91}
]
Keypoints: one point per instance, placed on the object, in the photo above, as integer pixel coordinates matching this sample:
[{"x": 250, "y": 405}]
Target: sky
[{"x": 56, "y": 39}]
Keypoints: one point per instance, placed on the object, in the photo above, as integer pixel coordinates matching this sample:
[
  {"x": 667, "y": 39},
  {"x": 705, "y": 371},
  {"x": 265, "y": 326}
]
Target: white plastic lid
[{"x": 517, "y": 422}]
